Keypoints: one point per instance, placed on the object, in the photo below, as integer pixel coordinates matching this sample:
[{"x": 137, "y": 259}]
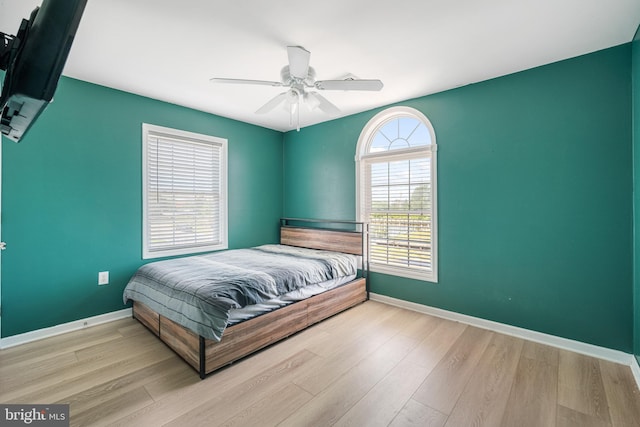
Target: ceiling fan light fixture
[
  {"x": 293, "y": 96},
  {"x": 311, "y": 101}
]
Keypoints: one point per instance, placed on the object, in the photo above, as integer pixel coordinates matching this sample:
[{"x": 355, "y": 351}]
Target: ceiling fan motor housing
[{"x": 288, "y": 80}]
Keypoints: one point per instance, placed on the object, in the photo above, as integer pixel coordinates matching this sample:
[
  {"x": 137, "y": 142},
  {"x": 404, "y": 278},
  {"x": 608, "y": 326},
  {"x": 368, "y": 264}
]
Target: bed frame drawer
[
  {"x": 147, "y": 317},
  {"x": 251, "y": 335},
  {"x": 336, "y": 300},
  {"x": 181, "y": 340}
]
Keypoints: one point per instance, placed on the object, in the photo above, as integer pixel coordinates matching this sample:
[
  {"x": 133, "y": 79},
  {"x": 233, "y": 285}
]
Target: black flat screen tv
[{"x": 33, "y": 60}]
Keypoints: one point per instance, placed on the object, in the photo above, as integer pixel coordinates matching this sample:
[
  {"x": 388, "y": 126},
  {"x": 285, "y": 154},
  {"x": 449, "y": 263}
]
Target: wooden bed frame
[{"x": 244, "y": 338}]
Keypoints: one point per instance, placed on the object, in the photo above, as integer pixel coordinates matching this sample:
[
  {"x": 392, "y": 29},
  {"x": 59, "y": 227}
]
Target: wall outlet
[{"x": 103, "y": 278}]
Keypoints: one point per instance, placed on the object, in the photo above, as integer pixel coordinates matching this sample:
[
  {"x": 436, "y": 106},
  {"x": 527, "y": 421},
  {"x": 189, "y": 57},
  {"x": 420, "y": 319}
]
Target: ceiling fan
[{"x": 299, "y": 77}]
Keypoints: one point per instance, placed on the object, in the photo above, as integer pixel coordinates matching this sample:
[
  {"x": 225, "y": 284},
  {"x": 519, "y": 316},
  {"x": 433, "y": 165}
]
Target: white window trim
[
  {"x": 222, "y": 142},
  {"x": 365, "y": 138}
]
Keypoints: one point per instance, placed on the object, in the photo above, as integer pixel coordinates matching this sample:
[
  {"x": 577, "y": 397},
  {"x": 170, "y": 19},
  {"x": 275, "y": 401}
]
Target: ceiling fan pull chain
[{"x": 298, "y": 112}]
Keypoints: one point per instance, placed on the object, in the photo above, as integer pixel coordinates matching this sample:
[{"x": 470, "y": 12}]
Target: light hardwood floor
[{"x": 374, "y": 365}]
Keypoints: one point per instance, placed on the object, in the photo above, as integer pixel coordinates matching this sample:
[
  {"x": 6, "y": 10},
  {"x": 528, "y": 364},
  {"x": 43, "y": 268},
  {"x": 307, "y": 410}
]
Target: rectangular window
[{"x": 184, "y": 192}]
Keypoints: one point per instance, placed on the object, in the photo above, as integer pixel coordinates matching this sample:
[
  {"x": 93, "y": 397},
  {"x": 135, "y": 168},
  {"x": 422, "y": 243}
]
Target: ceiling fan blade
[
  {"x": 298, "y": 61},
  {"x": 272, "y": 104},
  {"x": 243, "y": 81},
  {"x": 322, "y": 103},
  {"x": 349, "y": 84}
]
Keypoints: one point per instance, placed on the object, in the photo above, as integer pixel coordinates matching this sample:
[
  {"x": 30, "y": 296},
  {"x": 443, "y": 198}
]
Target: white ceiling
[{"x": 169, "y": 49}]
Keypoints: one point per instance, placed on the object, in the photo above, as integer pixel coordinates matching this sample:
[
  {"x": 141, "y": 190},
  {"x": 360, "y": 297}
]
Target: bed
[{"x": 214, "y": 309}]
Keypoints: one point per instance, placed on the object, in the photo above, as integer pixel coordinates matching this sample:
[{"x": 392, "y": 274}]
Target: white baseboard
[
  {"x": 64, "y": 328},
  {"x": 604, "y": 353},
  {"x": 635, "y": 370}
]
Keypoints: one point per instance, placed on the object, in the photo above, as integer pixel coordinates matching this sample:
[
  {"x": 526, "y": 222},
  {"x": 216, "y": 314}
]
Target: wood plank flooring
[{"x": 373, "y": 365}]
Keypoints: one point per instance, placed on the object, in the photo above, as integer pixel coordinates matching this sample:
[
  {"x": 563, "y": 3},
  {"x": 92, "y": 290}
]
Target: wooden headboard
[{"x": 350, "y": 242}]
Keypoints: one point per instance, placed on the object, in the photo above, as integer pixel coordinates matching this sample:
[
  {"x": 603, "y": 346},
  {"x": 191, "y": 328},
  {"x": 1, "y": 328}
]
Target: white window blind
[
  {"x": 185, "y": 192},
  {"x": 396, "y": 163},
  {"x": 398, "y": 208}
]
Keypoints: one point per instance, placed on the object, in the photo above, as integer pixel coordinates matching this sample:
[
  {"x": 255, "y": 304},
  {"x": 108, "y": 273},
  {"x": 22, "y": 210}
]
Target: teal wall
[
  {"x": 535, "y": 206},
  {"x": 636, "y": 191},
  {"x": 534, "y": 193},
  {"x": 71, "y": 200}
]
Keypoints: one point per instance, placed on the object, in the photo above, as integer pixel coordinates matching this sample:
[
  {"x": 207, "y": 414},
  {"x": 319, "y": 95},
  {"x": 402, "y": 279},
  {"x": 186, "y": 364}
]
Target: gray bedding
[{"x": 199, "y": 291}]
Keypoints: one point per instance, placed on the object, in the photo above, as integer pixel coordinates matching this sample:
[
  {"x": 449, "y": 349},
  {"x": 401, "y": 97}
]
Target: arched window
[{"x": 396, "y": 187}]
